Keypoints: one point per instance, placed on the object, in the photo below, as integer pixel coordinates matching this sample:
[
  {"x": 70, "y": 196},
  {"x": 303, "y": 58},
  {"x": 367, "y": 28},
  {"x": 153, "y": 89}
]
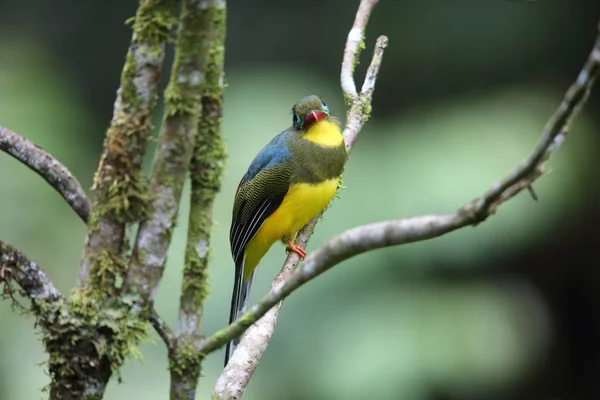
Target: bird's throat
[{"x": 324, "y": 133}]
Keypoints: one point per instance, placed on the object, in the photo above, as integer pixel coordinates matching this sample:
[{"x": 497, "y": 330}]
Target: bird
[{"x": 291, "y": 180}]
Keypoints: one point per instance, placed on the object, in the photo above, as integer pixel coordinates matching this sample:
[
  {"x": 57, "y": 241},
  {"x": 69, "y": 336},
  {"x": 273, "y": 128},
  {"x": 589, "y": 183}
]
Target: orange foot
[
  {"x": 4, "y": 271},
  {"x": 296, "y": 249}
]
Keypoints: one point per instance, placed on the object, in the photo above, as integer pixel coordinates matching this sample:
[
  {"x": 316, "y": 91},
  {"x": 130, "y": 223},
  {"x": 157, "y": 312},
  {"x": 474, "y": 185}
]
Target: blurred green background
[{"x": 506, "y": 310}]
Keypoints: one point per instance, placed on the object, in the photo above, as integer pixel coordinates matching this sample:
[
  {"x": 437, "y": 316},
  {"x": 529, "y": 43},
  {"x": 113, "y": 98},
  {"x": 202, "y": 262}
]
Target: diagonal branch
[
  {"x": 163, "y": 330},
  {"x": 236, "y": 375},
  {"x": 34, "y": 282},
  {"x": 396, "y": 232},
  {"x": 119, "y": 194},
  {"x": 46, "y": 166}
]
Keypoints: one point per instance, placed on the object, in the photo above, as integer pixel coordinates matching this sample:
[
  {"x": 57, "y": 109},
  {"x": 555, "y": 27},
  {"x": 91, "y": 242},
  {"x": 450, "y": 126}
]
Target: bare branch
[
  {"x": 46, "y": 166},
  {"x": 119, "y": 194},
  {"x": 390, "y": 233},
  {"x": 34, "y": 282},
  {"x": 354, "y": 45},
  {"x": 236, "y": 375},
  {"x": 164, "y": 331}
]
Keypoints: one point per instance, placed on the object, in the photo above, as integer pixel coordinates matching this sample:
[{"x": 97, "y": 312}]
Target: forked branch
[
  {"x": 260, "y": 320},
  {"x": 245, "y": 359}
]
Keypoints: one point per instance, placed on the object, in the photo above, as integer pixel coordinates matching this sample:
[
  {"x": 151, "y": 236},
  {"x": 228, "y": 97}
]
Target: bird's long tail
[{"x": 239, "y": 302}]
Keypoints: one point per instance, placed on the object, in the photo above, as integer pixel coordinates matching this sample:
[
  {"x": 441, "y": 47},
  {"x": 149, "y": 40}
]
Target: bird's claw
[
  {"x": 296, "y": 249},
  {"x": 4, "y": 271}
]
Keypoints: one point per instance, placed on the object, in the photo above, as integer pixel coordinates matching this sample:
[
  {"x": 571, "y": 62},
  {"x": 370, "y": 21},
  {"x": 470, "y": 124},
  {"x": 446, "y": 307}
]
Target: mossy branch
[
  {"x": 206, "y": 171},
  {"x": 119, "y": 192},
  {"x": 83, "y": 343},
  {"x": 173, "y": 154}
]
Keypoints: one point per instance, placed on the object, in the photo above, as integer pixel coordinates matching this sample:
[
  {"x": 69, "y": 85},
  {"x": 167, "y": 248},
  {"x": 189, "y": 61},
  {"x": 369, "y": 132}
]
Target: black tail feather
[{"x": 239, "y": 303}]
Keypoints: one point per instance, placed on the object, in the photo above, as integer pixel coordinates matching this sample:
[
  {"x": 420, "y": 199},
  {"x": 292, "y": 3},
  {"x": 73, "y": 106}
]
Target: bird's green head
[{"x": 308, "y": 111}]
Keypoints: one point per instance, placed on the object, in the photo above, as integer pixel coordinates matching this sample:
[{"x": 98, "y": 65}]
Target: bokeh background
[{"x": 506, "y": 310}]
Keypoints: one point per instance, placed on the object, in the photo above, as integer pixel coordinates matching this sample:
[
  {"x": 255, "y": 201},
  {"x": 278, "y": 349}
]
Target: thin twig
[
  {"x": 164, "y": 331},
  {"x": 245, "y": 359},
  {"x": 396, "y": 232},
  {"x": 119, "y": 193},
  {"x": 46, "y": 166},
  {"x": 34, "y": 282}
]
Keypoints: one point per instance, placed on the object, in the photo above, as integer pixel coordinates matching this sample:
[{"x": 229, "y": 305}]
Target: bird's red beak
[{"x": 313, "y": 117}]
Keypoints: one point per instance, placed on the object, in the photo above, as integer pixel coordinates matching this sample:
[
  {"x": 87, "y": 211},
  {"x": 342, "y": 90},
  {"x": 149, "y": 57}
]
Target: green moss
[
  {"x": 152, "y": 22},
  {"x": 107, "y": 269},
  {"x": 87, "y": 340},
  {"x": 360, "y": 47},
  {"x": 214, "y": 84},
  {"x": 182, "y": 96},
  {"x": 179, "y": 102},
  {"x": 365, "y": 108},
  {"x": 206, "y": 170},
  {"x": 185, "y": 366},
  {"x": 126, "y": 200},
  {"x": 186, "y": 359},
  {"x": 152, "y": 28},
  {"x": 347, "y": 100},
  {"x": 195, "y": 288},
  {"x": 128, "y": 91},
  {"x": 195, "y": 280},
  {"x": 119, "y": 192}
]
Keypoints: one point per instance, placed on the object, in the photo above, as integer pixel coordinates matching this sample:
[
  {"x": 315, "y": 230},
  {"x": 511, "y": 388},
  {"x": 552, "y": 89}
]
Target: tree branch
[
  {"x": 206, "y": 170},
  {"x": 354, "y": 45},
  {"x": 236, "y": 375},
  {"x": 34, "y": 282},
  {"x": 392, "y": 233},
  {"x": 163, "y": 330},
  {"x": 46, "y": 166},
  {"x": 119, "y": 194},
  {"x": 172, "y": 158}
]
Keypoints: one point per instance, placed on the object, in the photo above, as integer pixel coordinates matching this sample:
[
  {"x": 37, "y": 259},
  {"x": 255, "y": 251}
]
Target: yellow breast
[{"x": 302, "y": 202}]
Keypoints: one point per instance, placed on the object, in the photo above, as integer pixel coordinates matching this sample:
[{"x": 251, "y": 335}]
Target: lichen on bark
[
  {"x": 87, "y": 342},
  {"x": 173, "y": 154},
  {"x": 206, "y": 169},
  {"x": 119, "y": 191}
]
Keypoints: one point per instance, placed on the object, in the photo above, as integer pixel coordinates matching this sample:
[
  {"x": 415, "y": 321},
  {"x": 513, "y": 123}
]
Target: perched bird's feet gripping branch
[
  {"x": 296, "y": 249},
  {"x": 4, "y": 271}
]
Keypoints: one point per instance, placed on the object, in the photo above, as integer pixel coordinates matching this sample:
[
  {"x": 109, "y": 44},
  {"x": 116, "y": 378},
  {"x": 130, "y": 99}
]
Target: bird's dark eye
[
  {"x": 324, "y": 106},
  {"x": 297, "y": 121}
]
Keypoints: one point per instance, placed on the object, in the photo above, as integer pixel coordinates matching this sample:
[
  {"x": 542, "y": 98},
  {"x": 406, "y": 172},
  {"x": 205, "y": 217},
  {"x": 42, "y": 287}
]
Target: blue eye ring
[
  {"x": 324, "y": 107},
  {"x": 297, "y": 121}
]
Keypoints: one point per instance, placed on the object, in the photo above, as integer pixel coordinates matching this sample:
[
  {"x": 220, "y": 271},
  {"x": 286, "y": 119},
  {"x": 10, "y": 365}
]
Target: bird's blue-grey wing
[{"x": 260, "y": 193}]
